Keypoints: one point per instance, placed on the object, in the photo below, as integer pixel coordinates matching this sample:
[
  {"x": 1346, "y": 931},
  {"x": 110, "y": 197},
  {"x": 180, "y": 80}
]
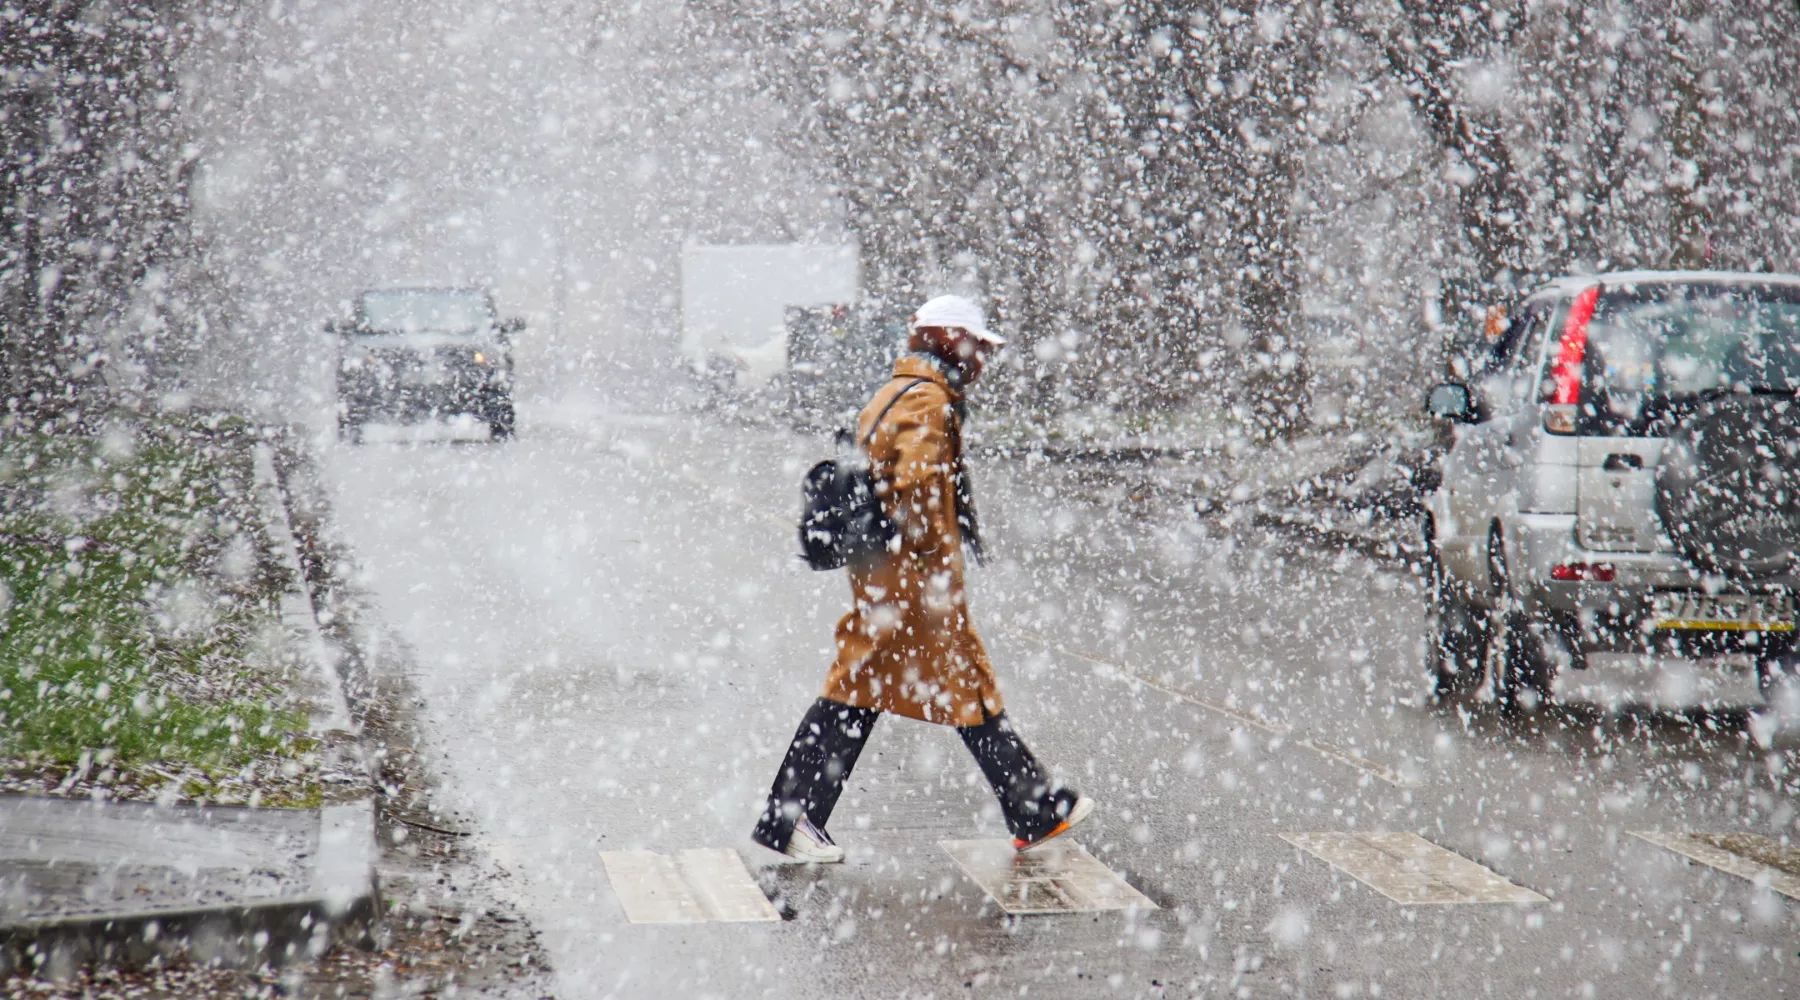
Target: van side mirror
[{"x": 1450, "y": 401}]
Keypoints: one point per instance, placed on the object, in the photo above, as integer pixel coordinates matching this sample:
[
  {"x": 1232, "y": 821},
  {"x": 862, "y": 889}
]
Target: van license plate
[
  {"x": 429, "y": 372},
  {"x": 1724, "y": 612}
]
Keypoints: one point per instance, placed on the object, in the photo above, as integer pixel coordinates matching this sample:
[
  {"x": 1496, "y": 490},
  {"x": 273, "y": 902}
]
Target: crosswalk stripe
[
  {"x": 1058, "y": 877},
  {"x": 1765, "y": 862},
  {"x": 694, "y": 886},
  {"x": 1407, "y": 868}
]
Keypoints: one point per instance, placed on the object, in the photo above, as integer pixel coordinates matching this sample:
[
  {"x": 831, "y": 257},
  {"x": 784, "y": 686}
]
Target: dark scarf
[{"x": 966, "y": 519}]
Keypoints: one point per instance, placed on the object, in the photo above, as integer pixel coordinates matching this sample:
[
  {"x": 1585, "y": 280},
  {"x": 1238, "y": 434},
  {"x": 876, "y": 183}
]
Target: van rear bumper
[{"x": 1611, "y": 613}]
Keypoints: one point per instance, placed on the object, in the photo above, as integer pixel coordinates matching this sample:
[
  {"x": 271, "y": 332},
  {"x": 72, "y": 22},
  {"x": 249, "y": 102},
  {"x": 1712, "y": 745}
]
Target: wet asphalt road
[{"x": 614, "y": 643}]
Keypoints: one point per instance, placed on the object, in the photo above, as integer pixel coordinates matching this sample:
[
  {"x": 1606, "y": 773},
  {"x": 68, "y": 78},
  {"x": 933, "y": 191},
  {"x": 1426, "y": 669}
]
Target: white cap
[{"x": 956, "y": 311}]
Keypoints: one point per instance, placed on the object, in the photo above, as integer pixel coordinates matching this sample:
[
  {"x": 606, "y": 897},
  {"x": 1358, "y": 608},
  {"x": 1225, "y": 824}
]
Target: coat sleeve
[{"x": 914, "y": 448}]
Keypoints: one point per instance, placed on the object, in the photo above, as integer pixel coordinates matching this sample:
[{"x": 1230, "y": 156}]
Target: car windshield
[
  {"x": 413, "y": 311},
  {"x": 1653, "y": 350}
]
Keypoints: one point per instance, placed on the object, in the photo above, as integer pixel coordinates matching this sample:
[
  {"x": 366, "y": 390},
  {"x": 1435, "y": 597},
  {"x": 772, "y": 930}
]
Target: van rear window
[
  {"x": 409, "y": 310},
  {"x": 1655, "y": 350}
]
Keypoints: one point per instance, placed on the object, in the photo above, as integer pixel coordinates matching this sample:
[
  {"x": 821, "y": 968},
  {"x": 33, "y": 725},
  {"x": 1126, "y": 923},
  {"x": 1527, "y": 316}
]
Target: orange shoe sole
[
  {"x": 1021, "y": 844},
  {"x": 1078, "y": 814}
]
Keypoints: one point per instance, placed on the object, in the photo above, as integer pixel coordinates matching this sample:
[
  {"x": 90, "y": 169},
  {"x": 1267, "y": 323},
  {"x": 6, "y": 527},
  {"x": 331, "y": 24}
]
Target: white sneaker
[{"x": 813, "y": 845}]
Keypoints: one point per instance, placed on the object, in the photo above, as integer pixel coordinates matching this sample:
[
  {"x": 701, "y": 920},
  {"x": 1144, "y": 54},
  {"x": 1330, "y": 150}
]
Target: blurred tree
[
  {"x": 1694, "y": 111},
  {"x": 1255, "y": 74},
  {"x": 1584, "y": 135},
  {"x": 1442, "y": 55},
  {"x": 949, "y": 135},
  {"x": 1118, "y": 181},
  {"x": 93, "y": 178}
]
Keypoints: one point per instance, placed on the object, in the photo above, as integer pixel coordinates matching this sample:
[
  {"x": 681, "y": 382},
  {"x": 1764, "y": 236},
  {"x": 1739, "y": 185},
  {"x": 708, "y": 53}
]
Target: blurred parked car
[
  {"x": 836, "y": 357},
  {"x": 1626, "y": 477},
  {"x": 412, "y": 354}
]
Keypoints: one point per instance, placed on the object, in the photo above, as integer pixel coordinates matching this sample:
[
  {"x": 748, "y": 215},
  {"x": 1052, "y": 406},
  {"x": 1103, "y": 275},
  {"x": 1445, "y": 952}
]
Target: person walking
[{"x": 907, "y": 646}]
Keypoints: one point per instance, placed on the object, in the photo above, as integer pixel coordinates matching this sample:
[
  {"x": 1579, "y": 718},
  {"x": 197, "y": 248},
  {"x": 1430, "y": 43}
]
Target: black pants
[{"x": 831, "y": 738}]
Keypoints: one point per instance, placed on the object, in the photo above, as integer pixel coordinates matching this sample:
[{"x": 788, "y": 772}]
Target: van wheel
[
  {"x": 1458, "y": 640},
  {"x": 1456, "y": 634},
  {"x": 500, "y": 420},
  {"x": 1530, "y": 653},
  {"x": 1778, "y": 680},
  {"x": 1526, "y": 653}
]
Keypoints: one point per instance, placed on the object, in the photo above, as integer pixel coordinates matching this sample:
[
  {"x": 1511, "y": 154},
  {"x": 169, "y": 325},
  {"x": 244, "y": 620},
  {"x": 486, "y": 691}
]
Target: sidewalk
[
  {"x": 1101, "y": 434},
  {"x": 1379, "y": 469},
  {"x": 1356, "y": 490},
  {"x": 123, "y": 883},
  {"x": 1335, "y": 487}
]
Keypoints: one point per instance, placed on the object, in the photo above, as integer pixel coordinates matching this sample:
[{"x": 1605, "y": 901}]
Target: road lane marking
[
  {"x": 1409, "y": 869},
  {"x": 1360, "y": 762},
  {"x": 1765, "y": 862},
  {"x": 691, "y": 887},
  {"x": 1058, "y": 877},
  {"x": 1251, "y": 719}
]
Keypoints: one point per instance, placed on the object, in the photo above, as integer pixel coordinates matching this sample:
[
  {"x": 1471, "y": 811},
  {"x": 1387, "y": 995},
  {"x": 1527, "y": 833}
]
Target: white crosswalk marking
[
  {"x": 695, "y": 886},
  {"x": 1058, "y": 877},
  {"x": 1761, "y": 860},
  {"x": 1407, "y": 868}
]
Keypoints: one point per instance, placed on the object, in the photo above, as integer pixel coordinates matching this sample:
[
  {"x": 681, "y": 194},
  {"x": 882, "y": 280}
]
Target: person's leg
[
  {"x": 820, "y": 759},
  {"x": 1031, "y": 807}
]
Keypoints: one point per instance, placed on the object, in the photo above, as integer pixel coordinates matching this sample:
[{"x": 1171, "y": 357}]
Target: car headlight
[{"x": 480, "y": 358}]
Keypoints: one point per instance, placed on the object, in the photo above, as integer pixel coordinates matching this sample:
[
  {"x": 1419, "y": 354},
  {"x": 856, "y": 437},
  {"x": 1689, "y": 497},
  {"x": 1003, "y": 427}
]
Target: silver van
[
  {"x": 414, "y": 354},
  {"x": 1625, "y": 477}
]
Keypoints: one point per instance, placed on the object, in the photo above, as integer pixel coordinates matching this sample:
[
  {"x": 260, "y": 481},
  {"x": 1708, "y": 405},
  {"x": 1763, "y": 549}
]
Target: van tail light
[
  {"x": 1596, "y": 572},
  {"x": 1565, "y": 371}
]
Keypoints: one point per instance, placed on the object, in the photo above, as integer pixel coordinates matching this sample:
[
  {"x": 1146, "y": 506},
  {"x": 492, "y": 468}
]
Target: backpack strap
[{"x": 869, "y": 438}]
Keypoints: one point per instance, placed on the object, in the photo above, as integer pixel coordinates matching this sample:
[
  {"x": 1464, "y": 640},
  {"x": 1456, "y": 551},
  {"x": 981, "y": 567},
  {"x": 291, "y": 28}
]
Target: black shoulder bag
[{"x": 841, "y": 520}]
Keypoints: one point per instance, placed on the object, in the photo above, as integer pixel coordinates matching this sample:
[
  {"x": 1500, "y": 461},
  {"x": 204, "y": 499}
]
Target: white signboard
[{"x": 734, "y": 299}]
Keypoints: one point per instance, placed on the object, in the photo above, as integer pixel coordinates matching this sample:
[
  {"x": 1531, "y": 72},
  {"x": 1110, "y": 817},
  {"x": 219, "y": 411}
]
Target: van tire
[
  {"x": 1529, "y": 654},
  {"x": 1456, "y": 633},
  {"x": 1458, "y": 638},
  {"x": 499, "y": 414},
  {"x": 1526, "y": 653},
  {"x": 1778, "y": 681}
]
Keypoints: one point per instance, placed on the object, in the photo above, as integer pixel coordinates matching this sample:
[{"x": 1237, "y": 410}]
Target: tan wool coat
[{"x": 907, "y": 646}]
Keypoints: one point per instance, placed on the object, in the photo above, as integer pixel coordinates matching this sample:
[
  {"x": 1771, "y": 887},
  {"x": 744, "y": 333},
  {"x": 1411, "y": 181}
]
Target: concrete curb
[
  {"x": 296, "y": 607},
  {"x": 344, "y": 868},
  {"x": 342, "y": 905},
  {"x": 1097, "y": 452}
]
